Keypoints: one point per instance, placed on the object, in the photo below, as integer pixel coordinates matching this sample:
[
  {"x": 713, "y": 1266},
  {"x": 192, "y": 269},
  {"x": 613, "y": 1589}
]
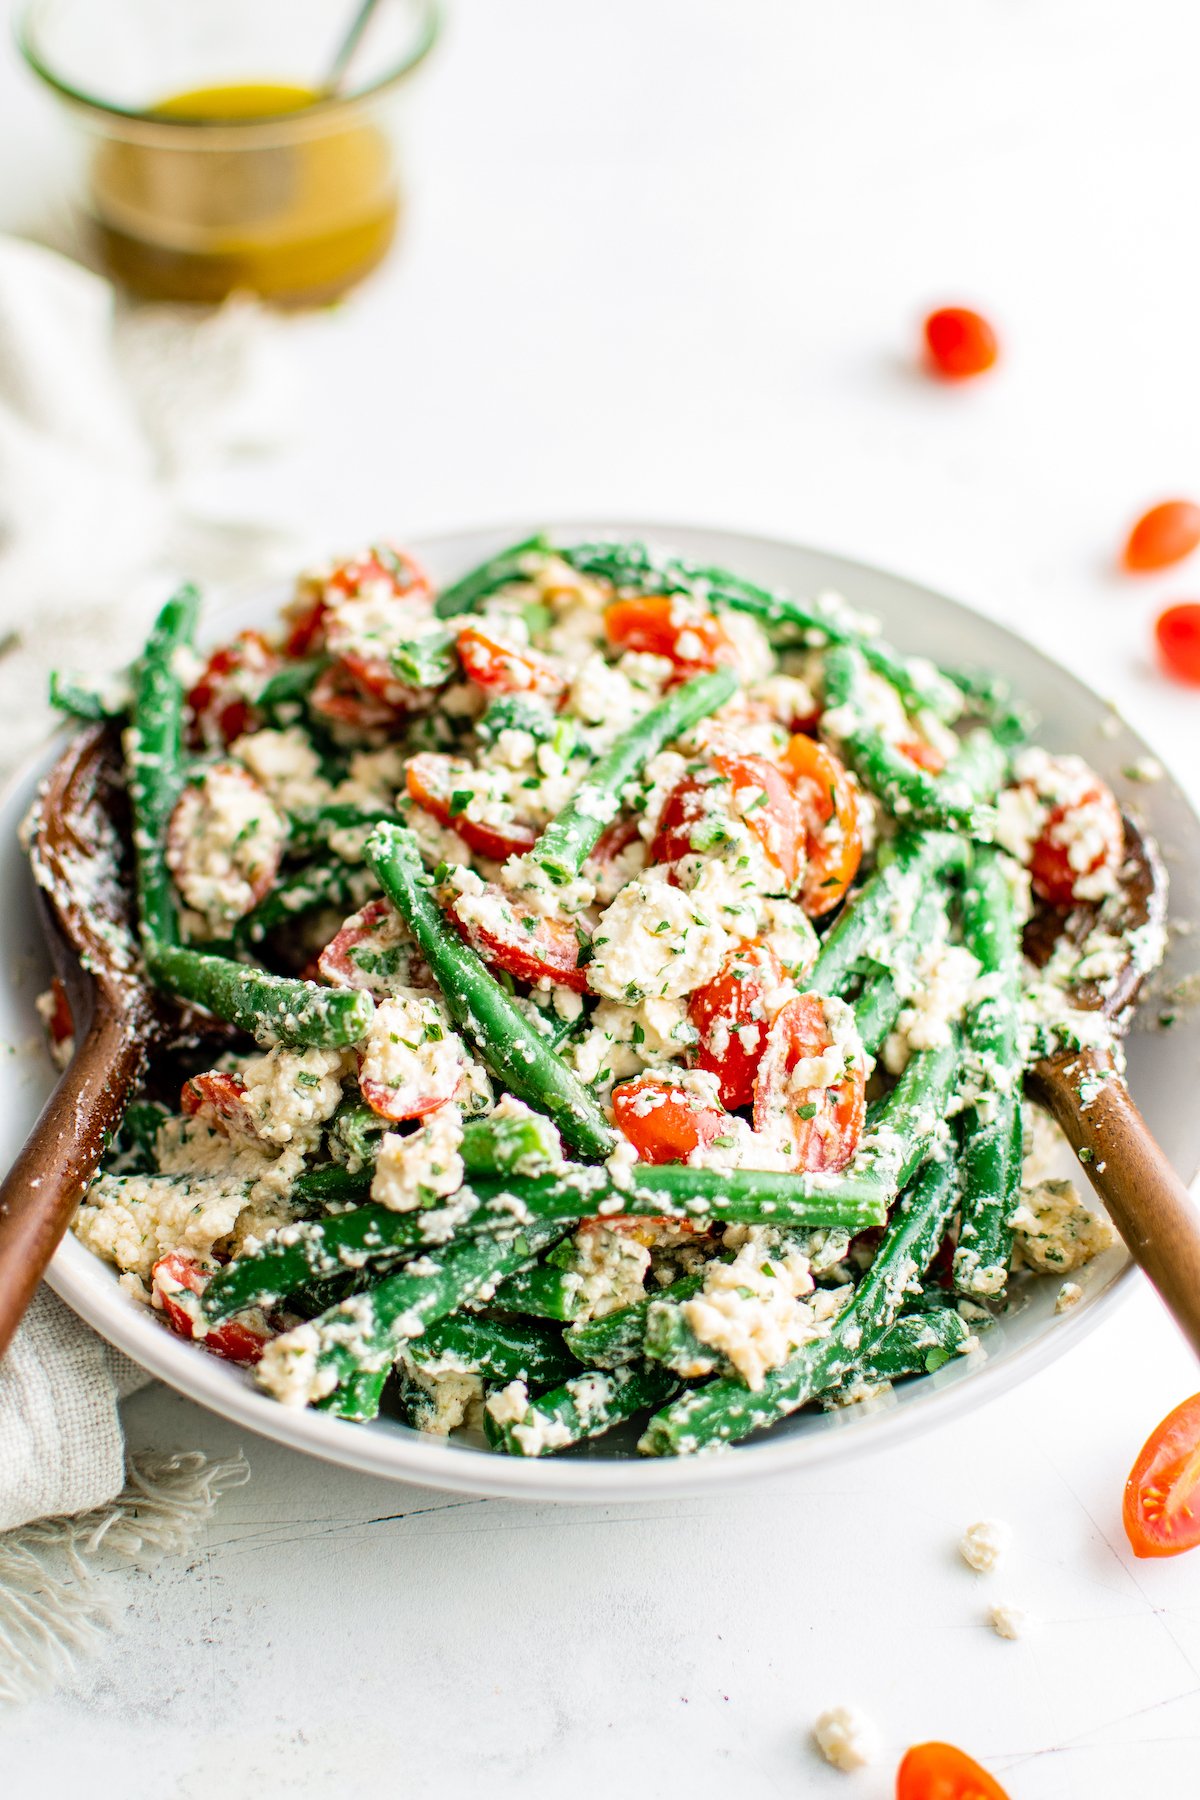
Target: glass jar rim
[{"x": 143, "y": 123}]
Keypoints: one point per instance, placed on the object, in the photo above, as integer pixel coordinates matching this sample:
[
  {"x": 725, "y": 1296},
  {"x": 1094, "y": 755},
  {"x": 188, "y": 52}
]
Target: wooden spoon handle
[
  {"x": 1148, "y": 1203},
  {"x": 42, "y": 1189}
]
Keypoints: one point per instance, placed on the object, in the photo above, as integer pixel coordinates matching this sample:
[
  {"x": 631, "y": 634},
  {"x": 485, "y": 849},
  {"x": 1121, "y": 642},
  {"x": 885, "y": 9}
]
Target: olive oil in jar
[{"x": 260, "y": 188}]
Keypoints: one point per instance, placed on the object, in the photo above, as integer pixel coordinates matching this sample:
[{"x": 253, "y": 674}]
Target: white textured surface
[{"x": 669, "y": 260}]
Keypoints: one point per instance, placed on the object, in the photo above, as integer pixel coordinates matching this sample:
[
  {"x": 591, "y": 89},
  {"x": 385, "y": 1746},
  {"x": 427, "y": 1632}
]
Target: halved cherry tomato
[
  {"x": 960, "y": 343},
  {"x": 751, "y": 790},
  {"x": 926, "y": 756},
  {"x": 1162, "y": 1495},
  {"x": 177, "y": 1275},
  {"x": 502, "y": 668},
  {"x": 941, "y": 1772},
  {"x": 833, "y": 836},
  {"x": 336, "y": 695},
  {"x": 730, "y": 1013},
  {"x": 222, "y": 701},
  {"x": 381, "y": 563},
  {"x": 532, "y": 946},
  {"x": 374, "y": 951},
  {"x": 662, "y": 625},
  {"x": 1053, "y": 874},
  {"x": 221, "y": 1093},
  {"x": 1178, "y": 634},
  {"x": 661, "y": 1120},
  {"x": 305, "y": 621},
  {"x": 430, "y": 781},
  {"x": 1164, "y": 535},
  {"x": 615, "y": 839},
  {"x": 822, "y": 1125},
  {"x": 253, "y": 858}
]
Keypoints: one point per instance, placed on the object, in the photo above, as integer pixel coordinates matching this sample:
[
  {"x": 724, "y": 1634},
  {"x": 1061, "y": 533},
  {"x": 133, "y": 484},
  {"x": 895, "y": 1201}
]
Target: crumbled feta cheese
[
  {"x": 846, "y": 1737},
  {"x": 224, "y": 845},
  {"x": 654, "y": 939},
  {"x": 750, "y": 1309},
  {"x": 1057, "y": 1231},
  {"x": 1069, "y": 1295},
  {"x": 424, "y": 1165},
  {"x": 286, "y": 767},
  {"x": 1008, "y": 1621},
  {"x": 508, "y": 1404},
  {"x": 984, "y": 1544}
]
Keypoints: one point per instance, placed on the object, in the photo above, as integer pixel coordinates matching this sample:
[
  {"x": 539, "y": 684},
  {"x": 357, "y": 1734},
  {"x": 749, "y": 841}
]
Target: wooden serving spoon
[
  {"x": 1084, "y": 1090},
  {"x": 79, "y": 859}
]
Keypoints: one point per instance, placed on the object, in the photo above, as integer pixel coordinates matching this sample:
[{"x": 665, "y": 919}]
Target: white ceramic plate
[{"x": 1164, "y": 1067}]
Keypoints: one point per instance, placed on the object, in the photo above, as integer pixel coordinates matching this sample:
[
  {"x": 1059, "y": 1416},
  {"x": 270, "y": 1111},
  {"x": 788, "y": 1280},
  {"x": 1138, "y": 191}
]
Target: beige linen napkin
[{"x": 109, "y": 420}]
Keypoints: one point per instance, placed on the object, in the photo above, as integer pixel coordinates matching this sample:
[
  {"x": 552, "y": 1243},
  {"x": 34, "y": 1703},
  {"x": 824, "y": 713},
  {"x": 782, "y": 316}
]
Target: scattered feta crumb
[
  {"x": 846, "y": 1737},
  {"x": 1069, "y": 1295},
  {"x": 983, "y": 1545},
  {"x": 1008, "y": 1621}
]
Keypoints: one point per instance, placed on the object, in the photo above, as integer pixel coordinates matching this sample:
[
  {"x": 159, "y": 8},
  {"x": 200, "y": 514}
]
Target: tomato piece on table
[
  {"x": 667, "y": 625},
  {"x": 662, "y": 1120},
  {"x": 222, "y": 700},
  {"x": 731, "y": 1015},
  {"x": 178, "y": 1281},
  {"x": 502, "y": 668},
  {"x": 751, "y": 791},
  {"x": 819, "y": 1125},
  {"x": 531, "y": 946},
  {"x": 336, "y": 695},
  {"x": 829, "y": 810},
  {"x": 959, "y": 343},
  {"x": 1162, "y": 536},
  {"x": 430, "y": 779},
  {"x": 942, "y": 1772},
  {"x": 1092, "y": 818},
  {"x": 1162, "y": 1496},
  {"x": 1177, "y": 632}
]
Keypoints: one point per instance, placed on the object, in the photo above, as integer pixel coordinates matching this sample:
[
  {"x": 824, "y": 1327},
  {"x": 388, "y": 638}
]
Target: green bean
[
  {"x": 274, "y": 1009},
  {"x": 291, "y": 684},
  {"x": 726, "y": 1409},
  {"x": 71, "y": 694},
  {"x": 569, "y": 840},
  {"x": 465, "y": 594},
  {"x": 583, "y": 1407},
  {"x": 542, "y": 1292},
  {"x": 498, "y": 1349},
  {"x": 153, "y": 753},
  {"x": 878, "y": 1005},
  {"x": 944, "y": 802},
  {"x": 521, "y": 1061},
  {"x": 357, "y": 1397},
  {"x": 917, "y": 1344},
  {"x": 367, "y": 1331},
  {"x": 425, "y": 662},
  {"x": 315, "y": 826},
  {"x": 617, "y": 1337},
  {"x": 883, "y": 909},
  {"x": 991, "y": 697},
  {"x": 634, "y": 569},
  {"x": 990, "y": 1156},
  {"x": 317, "y": 884}
]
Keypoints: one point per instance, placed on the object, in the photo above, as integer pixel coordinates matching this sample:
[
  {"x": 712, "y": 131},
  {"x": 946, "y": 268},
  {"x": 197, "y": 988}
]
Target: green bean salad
[{"x": 617, "y": 996}]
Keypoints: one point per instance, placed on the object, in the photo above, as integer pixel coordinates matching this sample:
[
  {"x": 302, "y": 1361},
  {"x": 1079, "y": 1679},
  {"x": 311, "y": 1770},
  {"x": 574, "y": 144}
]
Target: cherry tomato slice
[
  {"x": 381, "y": 563},
  {"x": 1162, "y": 1496},
  {"x": 221, "y": 1094},
  {"x": 730, "y": 1013},
  {"x": 1053, "y": 873},
  {"x": 374, "y": 951},
  {"x": 662, "y": 1121},
  {"x": 337, "y": 696},
  {"x": 531, "y": 946},
  {"x": 822, "y": 1125},
  {"x": 751, "y": 790},
  {"x": 1178, "y": 635},
  {"x": 926, "y": 756},
  {"x": 941, "y": 1772},
  {"x": 430, "y": 781},
  {"x": 664, "y": 626},
  {"x": 305, "y": 620},
  {"x": 960, "y": 343},
  {"x": 1164, "y": 535},
  {"x": 221, "y": 702},
  {"x": 833, "y": 836},
  {"x": 175, "y": 1276},
  {"x": 501, "y": 668},
  {"x": 253, "y": 858}
]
